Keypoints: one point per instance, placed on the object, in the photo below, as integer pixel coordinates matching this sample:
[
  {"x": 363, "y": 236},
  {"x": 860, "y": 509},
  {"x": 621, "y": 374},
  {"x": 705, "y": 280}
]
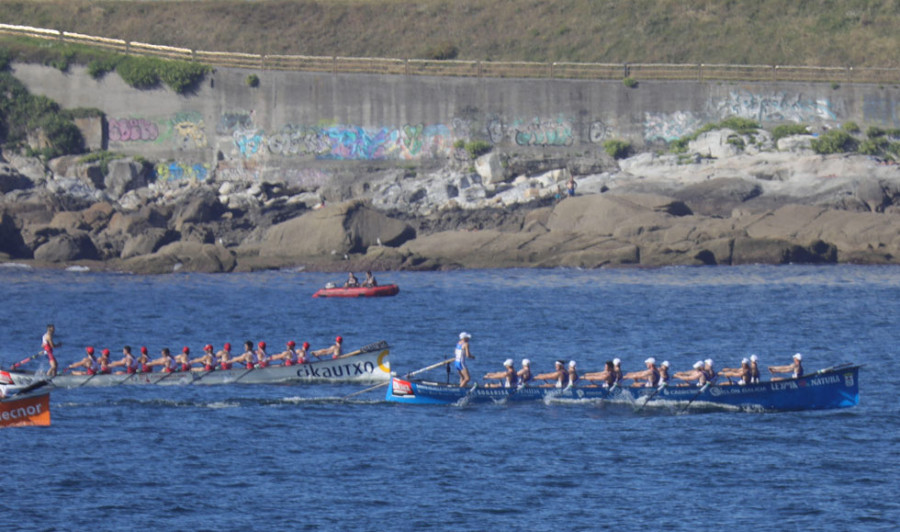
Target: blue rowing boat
[{"x": 835, "y": 387}]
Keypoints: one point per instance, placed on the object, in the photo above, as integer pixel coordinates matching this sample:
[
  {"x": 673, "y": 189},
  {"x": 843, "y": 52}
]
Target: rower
[
  {"x": 335, "y": 350},
  {"x": 617, "y": 368},
  {"x": 144, "y": 361},
  {"x": 208, "y": 359},
  {"x": 754, "y": 369},
  {"x": 262, "y": 359},
  {"x": 303, "y": 354},
  {"x": 743, "y": 373},
  {"x": 165, "y": 361},
  {"x": 48, "y": 344},
  {"x": 248, "y": 357},
  {"x": 104, "y": 362},
  {"x": 664, "y": 372},
  {"x": 508, "y": 375},
  {"x": 573, "y": 375},
  {"x": 224, "y": 356},
  {"x": 560, "y": 375},
  {"x": 710, "y": 372},
  {"x": 795, "y": 368},
  {"x": 127, "y": 361},
  {"x": 525, "y": 376},
  {"x": 182, "y": 360},
  {"x": 289, "y": 355},
  {"x": 608, "y": 375},
  {"x": 698, "y": 374},
  {"x": 89, "y": 363},
  {"x": 651, "y": 374}
]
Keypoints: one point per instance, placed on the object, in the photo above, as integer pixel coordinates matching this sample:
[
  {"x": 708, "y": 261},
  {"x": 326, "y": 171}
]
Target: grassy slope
[{"x": 796, "y": 32}]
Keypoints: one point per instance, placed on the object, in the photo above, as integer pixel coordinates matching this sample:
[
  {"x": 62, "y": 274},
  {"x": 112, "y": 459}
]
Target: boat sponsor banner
[{"x": 28, "y": 411}]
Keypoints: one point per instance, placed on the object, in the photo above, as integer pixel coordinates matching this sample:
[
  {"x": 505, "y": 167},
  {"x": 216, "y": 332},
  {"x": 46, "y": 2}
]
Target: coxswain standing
[
  {"x": 795, "y": 368},
  {"x": 48, "y": 344},
  {"x": 207, "y": 359},
  {"x": 127, "y": 361},
  {"x": 460, "y": 354},
  {"x": 89, "y": 363},
  {"x": 224, "y": 356},
  {"x": 166, "y": 362}
]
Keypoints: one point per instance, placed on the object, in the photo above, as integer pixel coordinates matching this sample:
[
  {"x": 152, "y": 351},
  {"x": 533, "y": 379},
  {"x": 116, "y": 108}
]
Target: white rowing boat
[{"x": 371, "y": 367}]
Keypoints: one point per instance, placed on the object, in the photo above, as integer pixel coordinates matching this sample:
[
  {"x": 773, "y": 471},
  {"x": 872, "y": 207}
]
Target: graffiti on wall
[
  {"x": 534, "y": 131},
  {"x": 188, "y": 131},
  {"x": 598, "y": 132},
  {"x": 670, "y": 126},
  {"x": 132, "y": 130},
  {"x": 176, "y": 171},
  {"x": 231, "y": 121},
  {"x": 773, "y": 106}
]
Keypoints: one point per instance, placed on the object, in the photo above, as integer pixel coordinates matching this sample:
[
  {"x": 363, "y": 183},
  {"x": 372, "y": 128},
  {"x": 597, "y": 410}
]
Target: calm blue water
[{"x": 296, "y": 457}]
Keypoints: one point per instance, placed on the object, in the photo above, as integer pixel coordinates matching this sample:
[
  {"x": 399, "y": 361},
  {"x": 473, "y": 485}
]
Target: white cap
[
  {"x": 559, "y": 363},
  {"x": 616, "y": 361},
  {"x": 798, "y": 356},
  {"x": 753, "y": 358},
  {"x": 650, "y": 360},
  {"x": 665, "y": 363},
  {"x": 508, "y": 362},
  {"x": 526, "y": 362},
  {"x": 463, "y": 335},
  {"x": 698, "y": 364},
  {"x": 708, "y": 362},
  {"x": 745, "y": 361},
  {"x": 571, "y": 363}
]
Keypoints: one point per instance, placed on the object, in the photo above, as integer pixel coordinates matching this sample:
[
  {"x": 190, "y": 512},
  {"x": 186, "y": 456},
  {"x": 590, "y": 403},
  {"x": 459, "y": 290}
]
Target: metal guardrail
[{"x": 485, "y": 69}]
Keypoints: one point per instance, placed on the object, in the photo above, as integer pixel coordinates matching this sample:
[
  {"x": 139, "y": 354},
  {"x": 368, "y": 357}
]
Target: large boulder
[
  {"x": 334, "y": 231},
  {"x": 607, "y": 213},
  {"x": 489, "y": 167},
  {"x": 184, "y": 257},
  {"x": 11, "y": 241},
  {"x": 123, "y": 176},
  {"x": 718, "y": 197},
  {"x": 147, "y": 242},
  {"x": 201, "y": 205},
  {"x": 11, "y": 179},
  {"x": 67, "y": 247}
]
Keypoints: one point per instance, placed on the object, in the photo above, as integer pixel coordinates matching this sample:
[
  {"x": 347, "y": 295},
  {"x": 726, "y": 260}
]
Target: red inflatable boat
[{"x": 359, "y": 291}]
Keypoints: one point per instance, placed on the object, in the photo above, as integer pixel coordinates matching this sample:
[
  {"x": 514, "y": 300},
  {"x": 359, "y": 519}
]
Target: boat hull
[
  {"x": 361, "y": 291},
  {"x": 827, "y": 389},
  {"x": 362, "y": 368},
  {"x": 29, "y": 410}
]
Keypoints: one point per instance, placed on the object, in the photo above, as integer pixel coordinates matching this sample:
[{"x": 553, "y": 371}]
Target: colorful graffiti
[
  {"x": 598, "y": 132},
  {"x": 175, "y": 171},
  {"x": 132, "y": 130},
  {"x": 189, "y": 131},
  {"x": 670, "y": 126},
  {"x": 774, "y": 107},
  {"x": 543, "y": 132},
  {"x": 235, "y": 120},
  {"x": 248, "y": 143}
]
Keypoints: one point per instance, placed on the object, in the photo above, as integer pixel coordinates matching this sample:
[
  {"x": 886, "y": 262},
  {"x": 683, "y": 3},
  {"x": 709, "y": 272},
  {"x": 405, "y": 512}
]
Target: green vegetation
[
  {"x": 617, "y": 149},
  {"x": 253, "y": 80},
  {"x": 787, "y": 130},
  {"x": 23, "y": 115},
  {"x": 741, "y": 126},
  {"x": 851, "y": 127},
  {"x": 833, "y": 33},
  {"x": 103, "y": 157},
  {"x": 834, "y": 141},
  {"x": 477, "y": 148},
  {"x": 630, "y": 82}
]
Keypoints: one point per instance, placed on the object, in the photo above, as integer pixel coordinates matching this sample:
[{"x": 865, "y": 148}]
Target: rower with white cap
[
  {"x": 559, "y": 374},
  {"x": 460, "y": 354},
  {"x": 698, "y": 374},
  {"x": 709, "y": 370},
  {"x": 795, "y": 368},
  {"x": 573, "y": 375},
  {"x": 742, "y": 372},
  {"x": 651, "y": 374},
  {"x": 664, "y": 372},
  {"x": 525, "y": 376},
  {"x": 754, "y": 369},
  {"x": 509, "y": 375}
]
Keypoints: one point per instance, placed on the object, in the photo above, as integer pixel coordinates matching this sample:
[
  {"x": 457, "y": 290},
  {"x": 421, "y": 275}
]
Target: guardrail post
[
  {"x": 334, "y": 64},
  {"x": 625, "y": 70},
  {"x": 700, "y": 72},
  {"x": 849, "y": 74},
  {"x": 774, "y": 72},
  {"x": 406, "y": 67}
]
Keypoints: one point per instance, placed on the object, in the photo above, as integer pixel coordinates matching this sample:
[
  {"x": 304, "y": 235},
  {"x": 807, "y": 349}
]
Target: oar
[
  {"x": 702, "y": 389},
  {"x": 651, "y": 396},
  {"x": 25, "y": 361},
  {"x": 410, "y": 374},
  {"x": 381, "y": 344}
]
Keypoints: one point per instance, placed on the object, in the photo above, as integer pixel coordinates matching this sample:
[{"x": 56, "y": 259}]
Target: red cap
[
  {"x": 144, "y": 349},
  {"x": 208, "y": 347},
  {"x": 185, "y": 349},
  {"x": 89, "y": 350},
  {"x": 105, "y": 352},
  {"x": 262, "y": 345},
  {"x": 305, "y": 345},
  {"x": 227, "y": 346},
  {"x": 339, "y": 339},
  {"x": 291, "y": 343}
]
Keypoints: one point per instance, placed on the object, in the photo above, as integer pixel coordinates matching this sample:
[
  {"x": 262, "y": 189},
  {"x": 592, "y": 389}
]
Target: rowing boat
[
  {"x": 360, "y": 368},
  {"x": 30, "y": 409},
  {"x": 836, "y": 387},
  {"x": 359, "y": 291}
]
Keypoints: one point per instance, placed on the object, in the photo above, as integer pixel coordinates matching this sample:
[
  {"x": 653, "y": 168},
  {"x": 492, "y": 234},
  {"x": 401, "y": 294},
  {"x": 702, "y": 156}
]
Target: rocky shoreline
[{"x": 714, "y": 205}]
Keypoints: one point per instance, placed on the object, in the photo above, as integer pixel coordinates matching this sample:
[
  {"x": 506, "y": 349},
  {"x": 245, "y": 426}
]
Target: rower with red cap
[
  {"x": 303, "y": 354},
  {"x": 207, "y": 359},
  {"x": 289, "y": 355},
  {"x": 262, "y": 359},
  {"x": 166, "y": 362},
  {"x": 127, "y": 361},
  {"x": 335, "y": 350},
  {"x": 224, "y": 356},
  {"x": 143, "y": 361},
  {"x": 182, "y": 360},
  {"x": 89, "y": 363},
  {"x": 104, "y": 362}
]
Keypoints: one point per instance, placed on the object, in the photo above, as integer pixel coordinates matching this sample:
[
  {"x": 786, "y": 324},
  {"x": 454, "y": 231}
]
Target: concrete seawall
[{"x": 305, "y": 128}]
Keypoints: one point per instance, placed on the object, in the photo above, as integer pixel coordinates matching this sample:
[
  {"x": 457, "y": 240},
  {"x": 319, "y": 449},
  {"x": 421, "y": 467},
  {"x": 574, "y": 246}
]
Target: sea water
[{"x": 289, "y": 457}]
